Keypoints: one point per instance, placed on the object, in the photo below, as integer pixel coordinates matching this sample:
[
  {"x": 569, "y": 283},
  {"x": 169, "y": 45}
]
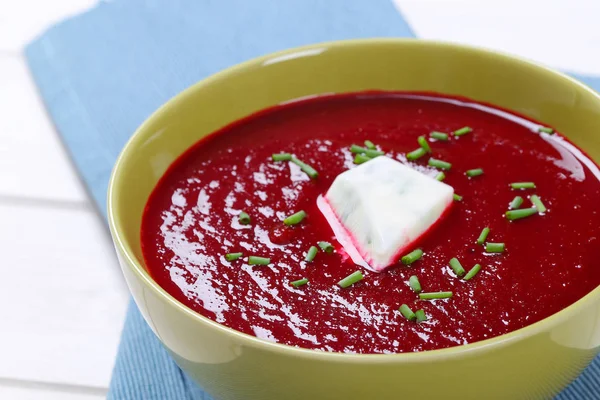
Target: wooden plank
[
  {"x": 62, "y": 296},
  {"x": 31, "y": 390},
  {"x": 23, "y": 20},
  {"x": 562, "y": 34},
  {"x": 14, "y": 393},
  {"x": 33, "y": 161}
]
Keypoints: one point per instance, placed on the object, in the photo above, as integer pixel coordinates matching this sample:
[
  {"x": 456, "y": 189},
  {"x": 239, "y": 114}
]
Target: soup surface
[{"x": 550, "y": 260}]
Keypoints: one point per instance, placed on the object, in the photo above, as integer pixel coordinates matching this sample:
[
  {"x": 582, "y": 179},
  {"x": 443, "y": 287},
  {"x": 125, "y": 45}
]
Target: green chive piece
[
  {"x": 368, "y": 151},
  {"x": 472, "y": 272},
  {"x": 494, "y": 247},
  {"x": 407, "y": 312},
  {"x": 439, "y": 164},
  {"x": 439, "y": 136},
  {"x": 522, "y": 185},
  {"x": 483, "y": 235},
  {"x": 537, "y": 202},
  {"x": 457, "y": 267},
  {"x": 515, "y": 203},
  {"x": 295, "y": 218},
  {"x": 357, "y": 149},
  {"x": 232, "y": 256},
  {"x": 370, "y": 145},
  {"x": 282, "y": 157},
  {"x": 423, "y": 143},
  {"x": 244, "y": 218},
  {"x": 474, "y": 172},
  {"x": 311, "y": 254},
  {"x": 421, "y": 316},
  {"x": 256, "y": 260},
  {"x": 435, "y": 295},
  {"x": 373, "y": 153},
  {"x": 457, "y": 197},
  {"x": 520, "y": 213},
  {"x": 412, "y": 257},
  {"x": 307, "y": 169},
  {"x": 545, "y": 129},
  {"x": 351, "y": 279},
  {"x": 326, "y": 247},
  {"x": 416, "y": 154},
  {"x": 414, "y": 284},
  {"x": 440, "y": 176},
  {"x": 463, "y": 131},
  {"x": 361, "y": 158},
  {"x": 299, "y": 282}
]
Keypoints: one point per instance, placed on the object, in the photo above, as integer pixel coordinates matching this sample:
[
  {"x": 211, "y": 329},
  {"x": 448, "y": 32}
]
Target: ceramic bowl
[{"x": 531, "y": 363}]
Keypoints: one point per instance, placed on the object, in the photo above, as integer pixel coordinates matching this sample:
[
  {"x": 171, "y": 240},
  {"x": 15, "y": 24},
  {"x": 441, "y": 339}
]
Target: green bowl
[{"x": 531, "y": 363}]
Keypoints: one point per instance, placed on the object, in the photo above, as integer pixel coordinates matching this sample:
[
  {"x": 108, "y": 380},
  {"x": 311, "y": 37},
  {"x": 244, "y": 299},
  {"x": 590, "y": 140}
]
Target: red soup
[{"x": 550, "y": 257}]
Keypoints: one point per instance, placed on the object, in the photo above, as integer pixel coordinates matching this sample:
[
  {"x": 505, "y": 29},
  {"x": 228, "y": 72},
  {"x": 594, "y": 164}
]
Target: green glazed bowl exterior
[{"x": 531, "y": 363}]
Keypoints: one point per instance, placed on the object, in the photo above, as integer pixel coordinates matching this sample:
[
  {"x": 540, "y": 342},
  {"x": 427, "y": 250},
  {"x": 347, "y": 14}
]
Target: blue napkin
[{"x": 103, "y": 72}]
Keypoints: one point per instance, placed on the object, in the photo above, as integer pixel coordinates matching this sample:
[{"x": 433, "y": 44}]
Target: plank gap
[
  {"x": 26, "y": 201},
  {"x": 52, "y": 386}
]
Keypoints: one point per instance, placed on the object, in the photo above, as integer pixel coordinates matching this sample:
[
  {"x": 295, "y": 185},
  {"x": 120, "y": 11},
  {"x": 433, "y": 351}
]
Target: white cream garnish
[{"x": 380, "y": 208}]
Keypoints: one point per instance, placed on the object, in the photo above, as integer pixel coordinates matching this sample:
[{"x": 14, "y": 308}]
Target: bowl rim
[{"x": 482, "y": 346}]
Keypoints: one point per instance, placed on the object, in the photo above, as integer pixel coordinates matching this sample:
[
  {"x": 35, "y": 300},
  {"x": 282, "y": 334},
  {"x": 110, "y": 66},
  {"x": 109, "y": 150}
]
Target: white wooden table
[{"x": 62, "y": 297}]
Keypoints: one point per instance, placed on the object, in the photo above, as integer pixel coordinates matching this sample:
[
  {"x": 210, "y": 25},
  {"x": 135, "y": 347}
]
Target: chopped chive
[
  {"x": 474, "y": 172},
  {"x": 232, "y": 256},
  {"x": 520, "y": 213},
  {"x": 435, "y": 295},
  {"x": 423, "y": 143},
  {"x": 439, "y": 164},
  {"x": 357, "y": 149},
  {"x": 311, "y": 254},
  {"x": 494, "y": 247},
  {"x": 412, "y": 257},
  {"x": 457, "y": 267},
  {"x": 373, "y": 153},
  {"x": 361, "y": 158},
  {"x": 545, "y": 129},
  {"x": 299, "y": 282},
  {"x": 295, "y": 218},
  {"x": 516, "y": 202},
  {"x": 483, "y": 235},
  {"x": 368, "y": 151},
  {"x": 244, "y": 218},
  {"x": 351, "y": 279},
  {"x": 439, "y": 136},
  {"x": 522, "y": 185},
  {"x": 463, "y": 131},
  {"x": 407, "y": 312},
  {"x": 416, "y": 154},
  {"x": 440, "y": 176},
  {"x": 282, "y": 157},
  {"x": 326, "y": 247},
  {"x": 307, "y": 169},
  {"x": 472, "y": 272},
  {"x": 421, "y": 316},
  {"x": 256, "y": 260},
  {"x": 537, "y": 202},
  {"x": 370, "y": 145},
  {"x": 457, "y": 197},
  {"x": 414, "y": 284}
]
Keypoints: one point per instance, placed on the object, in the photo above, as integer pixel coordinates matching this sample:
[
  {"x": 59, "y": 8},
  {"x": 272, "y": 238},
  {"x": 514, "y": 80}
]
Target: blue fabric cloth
[{"x": 103, "y": 72}]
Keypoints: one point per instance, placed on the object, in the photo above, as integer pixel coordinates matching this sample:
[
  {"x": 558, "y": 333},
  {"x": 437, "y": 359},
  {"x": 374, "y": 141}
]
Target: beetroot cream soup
[{"x": 530, "y": 267}]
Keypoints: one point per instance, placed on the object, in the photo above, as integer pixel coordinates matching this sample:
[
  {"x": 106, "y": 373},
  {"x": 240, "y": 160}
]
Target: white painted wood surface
[
  {"x": 27, "y": 390},
  {"x": 560, "y": 33},
  {"x": 63, "y": 304},
  {"x": 62, "y": 298},
  {"x": 33, "y": 160}
]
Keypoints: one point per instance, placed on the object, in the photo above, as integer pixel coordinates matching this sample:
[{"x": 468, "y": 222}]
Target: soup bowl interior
[{"x": 533, "y": 362}]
